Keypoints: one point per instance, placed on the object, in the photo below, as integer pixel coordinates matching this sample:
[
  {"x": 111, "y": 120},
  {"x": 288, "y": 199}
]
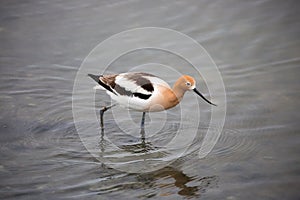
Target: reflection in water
[
  {"x": 162, "y": 180},
  {"x": 181, "y": 180}
]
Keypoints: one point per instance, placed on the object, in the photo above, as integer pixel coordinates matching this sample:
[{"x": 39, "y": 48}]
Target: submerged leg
[
  {"x": 143, "y": 142},
  {"x": 143, "y": 120},
  {"x": 143, "y": 128},
  {"x": 102, "y": 110}
]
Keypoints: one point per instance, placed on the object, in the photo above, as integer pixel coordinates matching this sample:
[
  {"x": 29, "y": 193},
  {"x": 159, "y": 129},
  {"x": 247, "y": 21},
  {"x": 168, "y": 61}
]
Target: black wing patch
[
  {"x": 122, "y": 91},
  {"x": 142, "y": 96},
  {"x": 141, "y": 81}
]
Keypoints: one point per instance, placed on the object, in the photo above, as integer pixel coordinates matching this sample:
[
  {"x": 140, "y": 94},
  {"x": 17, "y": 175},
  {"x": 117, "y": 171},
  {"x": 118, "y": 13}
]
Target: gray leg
[
  {"x": 102, "y": 110},
  {"x": 143, "y": 135},
  {"x": 143, "y": 120}
]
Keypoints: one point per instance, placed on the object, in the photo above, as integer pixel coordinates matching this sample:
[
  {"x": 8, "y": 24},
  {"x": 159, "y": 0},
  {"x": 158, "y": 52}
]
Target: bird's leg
[
  {"x": 143, "y": 142},
  {"x": 143, "y": 121},
  {"x": 102, "y": 110}
]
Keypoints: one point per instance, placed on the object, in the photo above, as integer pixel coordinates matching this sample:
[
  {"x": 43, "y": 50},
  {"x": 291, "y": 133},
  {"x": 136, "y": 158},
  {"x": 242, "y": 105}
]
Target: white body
[{"x": 133, "y": 102}]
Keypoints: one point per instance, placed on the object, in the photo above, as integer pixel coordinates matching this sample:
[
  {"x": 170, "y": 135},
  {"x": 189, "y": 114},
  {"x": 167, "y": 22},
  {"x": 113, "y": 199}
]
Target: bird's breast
[{"x": 163, "y": 98}]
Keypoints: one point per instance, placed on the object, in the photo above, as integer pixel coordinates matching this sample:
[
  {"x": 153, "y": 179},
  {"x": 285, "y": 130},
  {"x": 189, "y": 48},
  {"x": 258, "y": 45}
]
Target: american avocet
[{"x": 144, "y": 92}]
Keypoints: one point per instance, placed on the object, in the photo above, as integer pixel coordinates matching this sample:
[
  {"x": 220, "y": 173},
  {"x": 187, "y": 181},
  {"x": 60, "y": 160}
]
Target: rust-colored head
[
  {"x": 189, "y": 82},
  {"x": 185, "y": 83}
]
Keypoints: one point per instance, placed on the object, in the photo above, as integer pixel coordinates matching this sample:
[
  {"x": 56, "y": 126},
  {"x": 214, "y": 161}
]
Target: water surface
[{"x": 256, "y": 47}]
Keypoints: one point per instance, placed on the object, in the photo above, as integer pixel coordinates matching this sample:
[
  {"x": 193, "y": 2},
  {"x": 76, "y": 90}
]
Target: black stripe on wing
[
  {"x": 142, "y": 96},
  {"x": 122, "y": 91}
]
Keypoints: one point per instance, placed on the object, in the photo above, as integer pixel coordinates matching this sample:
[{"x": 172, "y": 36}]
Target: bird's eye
[{"x": 188, "y": 83}]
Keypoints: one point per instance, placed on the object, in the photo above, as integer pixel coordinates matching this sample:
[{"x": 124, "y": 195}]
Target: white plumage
[{"x": 144, "y": 92}]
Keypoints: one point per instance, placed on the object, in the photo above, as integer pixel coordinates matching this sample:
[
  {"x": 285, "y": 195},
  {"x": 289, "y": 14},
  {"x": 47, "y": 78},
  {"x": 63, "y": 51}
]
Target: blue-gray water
[{"x": 256, "y": 46}]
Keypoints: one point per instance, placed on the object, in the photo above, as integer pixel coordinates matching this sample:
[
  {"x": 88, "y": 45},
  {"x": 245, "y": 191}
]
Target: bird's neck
[{"x": 178, "y": 91}]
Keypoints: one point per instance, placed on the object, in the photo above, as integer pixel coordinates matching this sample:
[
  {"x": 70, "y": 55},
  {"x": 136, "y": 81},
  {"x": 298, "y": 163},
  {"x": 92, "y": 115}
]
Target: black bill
[{"x": 197, "y": 92}]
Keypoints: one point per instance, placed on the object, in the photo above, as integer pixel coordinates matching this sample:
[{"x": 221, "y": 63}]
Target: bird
[{"x": 144, "y": 92}]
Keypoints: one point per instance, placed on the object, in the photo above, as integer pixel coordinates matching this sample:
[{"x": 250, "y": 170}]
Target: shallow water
[{"x": 256, "y": 47}]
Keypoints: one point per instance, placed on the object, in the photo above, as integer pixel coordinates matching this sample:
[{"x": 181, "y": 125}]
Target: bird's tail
[
  {"x": 105, "y": 82},
  {"x": 97, "y": 79}
]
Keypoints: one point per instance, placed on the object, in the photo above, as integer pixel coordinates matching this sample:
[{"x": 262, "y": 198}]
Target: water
[{"x": 256, "y": 47}]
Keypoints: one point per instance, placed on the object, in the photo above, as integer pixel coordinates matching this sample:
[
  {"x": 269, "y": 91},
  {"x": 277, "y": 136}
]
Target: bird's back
[{"x": 133, "y": 90}]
